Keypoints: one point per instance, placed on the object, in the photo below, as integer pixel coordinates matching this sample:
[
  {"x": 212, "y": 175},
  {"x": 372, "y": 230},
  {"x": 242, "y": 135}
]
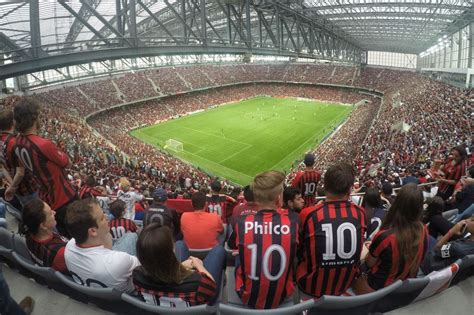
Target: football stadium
[{"x": 236, "y": 157}]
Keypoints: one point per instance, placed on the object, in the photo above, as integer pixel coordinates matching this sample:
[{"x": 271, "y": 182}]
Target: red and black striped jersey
[
  {"x": 452, "y": 172},
  {"x": 220, "y": 204},
  {"x": 8, "y": 158},
  {"x": 87, "y": 191},
  {"x": 330, "y": 246},
  {"x": 48, "y": 253},
  {"x": 46, "y": 162},
  {"x": 120, "y": 226},
  {"x": 267, "y": 243},
  {"x": 196, "y": 289},
  {"x": 307, "y": 182},
  {"x": 389, "y": 266}
]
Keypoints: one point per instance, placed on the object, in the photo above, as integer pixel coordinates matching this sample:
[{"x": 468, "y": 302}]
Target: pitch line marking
[{"x": 236, "y": 153}]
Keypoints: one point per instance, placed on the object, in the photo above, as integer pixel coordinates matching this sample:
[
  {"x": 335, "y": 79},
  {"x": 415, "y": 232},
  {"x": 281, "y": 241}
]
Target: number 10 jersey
[
  {"x": 267, "y": 244},
  {"x": 331, "y": 243}
]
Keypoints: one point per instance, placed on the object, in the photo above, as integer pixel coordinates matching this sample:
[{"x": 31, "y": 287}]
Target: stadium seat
[
  {"x": 402, "y": 296},
  {"x": 106, "y": 298},
  {"x": 466, "y": 269},
  {"x": 450, "y": 214},
  {"x": 199, "y": 309},
  {"x": 108, "y": 294},
  {"x": 46, "y": 273},
  {"x": 285, "y": 310},
  {"x": 439, "y": 281},
  {"x": 6, "y": 244},
  {"x": 11, "y": 209},
  {"x": 19, "y": 247},
  {"x": 356, "y": 304}
]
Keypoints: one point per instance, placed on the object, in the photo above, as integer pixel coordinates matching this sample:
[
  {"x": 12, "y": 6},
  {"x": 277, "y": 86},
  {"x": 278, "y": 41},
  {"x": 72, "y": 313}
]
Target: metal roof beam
[
  {"x": 86, "y": 24},
  {"x": 377, "y": 4},
  {"x": 77, "y": 25}
]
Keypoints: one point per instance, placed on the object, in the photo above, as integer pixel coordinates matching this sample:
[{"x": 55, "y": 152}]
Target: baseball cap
[
  {"x": 309, "y": 159},
  {"x": 160, "y": 194}
]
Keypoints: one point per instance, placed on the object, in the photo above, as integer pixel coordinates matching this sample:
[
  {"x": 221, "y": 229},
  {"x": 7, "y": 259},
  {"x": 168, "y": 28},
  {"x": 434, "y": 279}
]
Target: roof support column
[
  {"x": 470, "y": 44},
  {"x": 203, "y": 23},
  {"x": 35, "y": 28},
  {"x": 133, "y": 22}
]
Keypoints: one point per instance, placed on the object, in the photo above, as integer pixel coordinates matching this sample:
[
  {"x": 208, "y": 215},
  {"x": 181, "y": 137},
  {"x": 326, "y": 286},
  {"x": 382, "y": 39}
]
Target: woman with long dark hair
[
  {"x": 163, "y": 280},
  {"x": 398, "y": 249}
]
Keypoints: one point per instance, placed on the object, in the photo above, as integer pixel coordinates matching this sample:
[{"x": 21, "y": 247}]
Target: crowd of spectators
[
  {"x": 434, "y": 118},
  {"x": 437, "y": 114}
]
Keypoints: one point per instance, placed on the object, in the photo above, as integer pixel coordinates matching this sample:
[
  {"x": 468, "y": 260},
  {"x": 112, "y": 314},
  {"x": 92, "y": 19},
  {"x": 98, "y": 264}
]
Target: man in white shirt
[
  {"x": 129, "y": 196},
  {"x": 89, "y": 255}
]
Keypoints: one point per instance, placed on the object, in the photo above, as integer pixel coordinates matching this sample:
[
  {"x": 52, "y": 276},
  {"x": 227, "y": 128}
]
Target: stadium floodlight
[{"x": 174, "y": 145}]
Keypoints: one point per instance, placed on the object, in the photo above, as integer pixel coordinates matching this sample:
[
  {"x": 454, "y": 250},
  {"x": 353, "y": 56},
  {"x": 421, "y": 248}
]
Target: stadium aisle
[{"x": 47, "y": 302}]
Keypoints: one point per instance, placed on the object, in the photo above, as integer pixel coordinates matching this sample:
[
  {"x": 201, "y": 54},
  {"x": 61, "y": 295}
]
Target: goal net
[{"x": 174, "y": 145}]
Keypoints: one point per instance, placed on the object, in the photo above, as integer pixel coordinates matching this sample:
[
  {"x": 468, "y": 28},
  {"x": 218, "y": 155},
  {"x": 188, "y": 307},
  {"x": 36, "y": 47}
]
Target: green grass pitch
[{"x": 239, "y": 140}]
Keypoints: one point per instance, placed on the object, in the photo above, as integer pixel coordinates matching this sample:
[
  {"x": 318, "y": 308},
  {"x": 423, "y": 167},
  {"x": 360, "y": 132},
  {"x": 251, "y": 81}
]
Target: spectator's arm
[
  {"x": 455, "y": 230},
  {"x": 19, "y": 174},
  {"x": 55, "y": 155}
]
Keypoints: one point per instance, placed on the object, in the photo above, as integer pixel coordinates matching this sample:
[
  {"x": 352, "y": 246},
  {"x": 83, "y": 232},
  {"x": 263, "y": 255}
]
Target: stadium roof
[
  {"x": 409, "y": 26},
  {"x": 328, "y": 29}
]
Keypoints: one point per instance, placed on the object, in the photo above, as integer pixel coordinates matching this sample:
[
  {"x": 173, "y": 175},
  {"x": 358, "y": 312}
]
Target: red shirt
[
  {"x": 267, "y": 244},
  {"x": 200, "y": 229},
  {"x": 331, "y": 243},
  {"x": 27, "y": 186},
  {"x": 307, "y": 182},
  {"x": 46, "y": 162},
  {"x": 49, "y": 252},
  {"x": 389, "y": 267},
  {"x": 452, "y": 172}
]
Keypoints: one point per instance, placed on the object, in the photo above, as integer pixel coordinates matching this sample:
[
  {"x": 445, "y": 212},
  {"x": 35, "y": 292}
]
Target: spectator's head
[
  {"x": 248, "y": 194},
  {"x": 87, "y": 223},
  {"x": 387, "y": 189},
  {"x": 407, "y": 208},
  {"x": 26, "y": 115},
  {"x": 6, "y": 120},
  {"x": 124, "y": 183},
  {"x": 37, "y": 217},
  {"x": 459, "y": 153},
  {"x": 370, "y": 202},
  {"x": 309, "y": 159},
  {"x": 267, "y": 189},
  {"x": 434, "y": 206},
  {"x": 216, "y": 187},
  {"x": 198, "y": 199},
  {"x": 162, "y": 268},
  {"x": 90, "y": 181},
  {"x": 292, "y": 199},
  {"x": 338, "y": 181},
  {"x": 117, "y": 208},
  {"x": 160, "y": 195},
  {"x": 372, "y": 198}
]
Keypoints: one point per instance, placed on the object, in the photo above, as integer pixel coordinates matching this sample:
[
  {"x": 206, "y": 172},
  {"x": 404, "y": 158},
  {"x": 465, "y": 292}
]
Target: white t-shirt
[
  {"x": 129, "y": 197},
  {"x": 97, "y": 265}
]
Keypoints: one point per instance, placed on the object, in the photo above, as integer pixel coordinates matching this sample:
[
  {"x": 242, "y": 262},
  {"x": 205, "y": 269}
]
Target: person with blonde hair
[{"x": 129, "y": 196}]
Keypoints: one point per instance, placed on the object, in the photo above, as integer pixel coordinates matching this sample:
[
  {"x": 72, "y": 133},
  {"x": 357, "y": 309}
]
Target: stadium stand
[{"x": 100, "y": 145}]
